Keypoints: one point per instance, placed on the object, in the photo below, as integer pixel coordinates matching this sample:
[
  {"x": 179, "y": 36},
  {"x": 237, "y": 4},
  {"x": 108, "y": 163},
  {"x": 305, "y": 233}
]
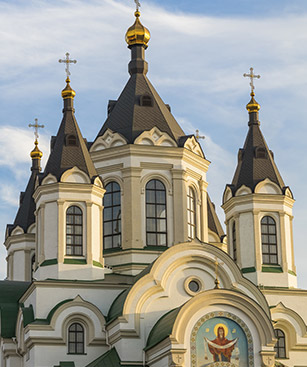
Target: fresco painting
[{"x": 221, "y": 341}]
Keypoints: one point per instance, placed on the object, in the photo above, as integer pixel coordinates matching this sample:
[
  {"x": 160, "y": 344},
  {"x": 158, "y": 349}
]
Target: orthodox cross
[
  {"x": 252, "y": 76},
  {"x": 217, "y": 282},
  {"x": 197, "y": 136},
  {"x": 67, "y": 61},
  {"x": 36, "y": 127},
  {"x": 138, "y": 5}
]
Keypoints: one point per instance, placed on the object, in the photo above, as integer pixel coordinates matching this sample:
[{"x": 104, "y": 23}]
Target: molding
[
  {"x": 75, "y": 261},
  {"x": 158, "y": 166},
  {"x": 271, "y": 269},
  {"x": 251, "y": 269},
  {"x": 110, "y": 169},
  {"x": 49, "y": 262}
]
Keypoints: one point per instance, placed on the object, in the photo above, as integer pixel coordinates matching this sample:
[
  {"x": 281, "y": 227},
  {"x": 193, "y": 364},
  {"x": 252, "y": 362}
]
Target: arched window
[
  {"x": 156, "y": 232},
  {"x": 76, "y": 339},
  {"x": 191, "y": 214},
  {"x": 280, "y": 347},
  {"x": 74, "y": 231},
  {"x": 112, "y": 216},
  {"x": 269, "y": 241},
  {"x": 234, "y": 241}
]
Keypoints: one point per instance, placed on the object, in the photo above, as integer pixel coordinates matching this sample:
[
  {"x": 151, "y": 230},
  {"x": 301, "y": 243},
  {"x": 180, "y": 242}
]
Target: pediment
[
  {"x": 155, "y": 137},
  {"x": 75, "y": 175},
  {"x": 268, "y": 187},
  {"x": 193, "y": 145},
  {"x": 109, "y": 139}
]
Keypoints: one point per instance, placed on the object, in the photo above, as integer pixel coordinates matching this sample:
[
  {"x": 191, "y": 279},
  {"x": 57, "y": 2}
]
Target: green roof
[
  {"x": 108, "y": 359},
  {"x": 10, "y": 293},
  {"x": 162, "y": 329},
  {"x": 117, "y": 306}
]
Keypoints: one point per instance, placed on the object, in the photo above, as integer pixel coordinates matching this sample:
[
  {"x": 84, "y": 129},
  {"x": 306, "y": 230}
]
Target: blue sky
[{"x": 197, "y": 55}]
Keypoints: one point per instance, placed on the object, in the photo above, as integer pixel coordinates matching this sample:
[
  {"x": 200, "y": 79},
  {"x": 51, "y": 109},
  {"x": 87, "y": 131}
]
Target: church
[{"x": 116, "y": 256}]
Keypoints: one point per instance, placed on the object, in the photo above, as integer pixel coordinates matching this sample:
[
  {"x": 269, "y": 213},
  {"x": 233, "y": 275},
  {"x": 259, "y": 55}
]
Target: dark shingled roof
[
  {"x": 64, "y": 156},
  {"x": 255, "y": 160},
  {"x": 213, "y": 220},
  {"x": 25, "y": 215},
  {"x": 130, "y": 119}
]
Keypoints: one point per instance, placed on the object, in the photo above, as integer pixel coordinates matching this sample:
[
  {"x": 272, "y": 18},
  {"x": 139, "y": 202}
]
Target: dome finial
[
  {"x": 253, "y": 105},
  {"x": 137, "y": 34},
  {"x": 68, "y": 92},
  {"x": 36, "y": 154}
]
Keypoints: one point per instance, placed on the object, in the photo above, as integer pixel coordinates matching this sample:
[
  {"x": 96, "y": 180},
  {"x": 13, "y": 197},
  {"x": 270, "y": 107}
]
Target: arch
[
  {"x": 269, "y": 240},
  {"x": 156, "y": 213},
  {"x": 227, "y": 194},
  {"x": 74, "y": 231},
  {"x": 108, "y": 140},
  {"x": 76, "y": 338},
  {"x": 155, "y": 137},
  {"x": 32, "y": 228},
  {"x": 193, "y": 145},
  {"x": 71, "y": 140},
  {"x": 17, "y": 231},
  {"x": 75, "y": 175},
  {"x": 49, "y": 179},
  {"x": 156, "y": 176},
  {"x": 268, "y": 187},
  {"x": 112, "y": 236},
  {"x": 243, "y": 190},
  {"x": 191, "y": 213}
]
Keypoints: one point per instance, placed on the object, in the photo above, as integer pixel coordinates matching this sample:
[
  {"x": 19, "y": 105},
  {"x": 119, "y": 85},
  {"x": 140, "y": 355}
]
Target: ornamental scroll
[{"x": 221, "y": 339}]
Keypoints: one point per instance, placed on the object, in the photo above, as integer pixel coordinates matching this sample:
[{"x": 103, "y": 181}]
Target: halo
[{"x": 223, "y": 326}]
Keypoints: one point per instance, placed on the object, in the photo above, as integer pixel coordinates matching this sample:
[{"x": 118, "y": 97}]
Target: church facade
[{"x": 117, "y": 257}]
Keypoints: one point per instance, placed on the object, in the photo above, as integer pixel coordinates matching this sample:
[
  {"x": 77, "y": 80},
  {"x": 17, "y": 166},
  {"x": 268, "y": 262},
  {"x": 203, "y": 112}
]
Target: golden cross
[
  {"x": 67, "y": 61},
  {"x": 197, "y": 136},
  {"x": 252, "y": 76},
  {"x": 36, "y": 127},
  {"x": 138, "y": 5}
]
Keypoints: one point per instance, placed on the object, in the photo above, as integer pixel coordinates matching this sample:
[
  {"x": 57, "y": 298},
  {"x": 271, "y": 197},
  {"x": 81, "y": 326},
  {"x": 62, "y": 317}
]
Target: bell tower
[{"x": 258, "y": 209}]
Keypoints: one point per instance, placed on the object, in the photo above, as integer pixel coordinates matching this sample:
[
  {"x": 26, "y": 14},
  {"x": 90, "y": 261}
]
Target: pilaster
[{"x": 180, "y": 206}]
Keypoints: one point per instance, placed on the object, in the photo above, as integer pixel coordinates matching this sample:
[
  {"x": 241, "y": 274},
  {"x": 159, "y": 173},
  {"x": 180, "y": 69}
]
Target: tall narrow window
[
  {"x": 32, "y": 266},
  {"x": 76, "y": 339},
  {"x": 156, "y": 232},
  {"x": 234, "y": 241},
  {"x": 269, "y": 241},
  {"x": 112, "y": 216},
  {"x": 280, "y": 347},
  {"x": 74, "y": 231},
  {"x": 191, "y": 214}
]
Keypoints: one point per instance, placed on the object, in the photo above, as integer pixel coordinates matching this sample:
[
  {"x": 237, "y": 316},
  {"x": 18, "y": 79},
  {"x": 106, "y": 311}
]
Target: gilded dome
[
  {"x": 36, "y": 153},
  {"x": 137, "y": 34},
  {"x": 253, "y": 105},
  {"x": 68, "y": 92}
]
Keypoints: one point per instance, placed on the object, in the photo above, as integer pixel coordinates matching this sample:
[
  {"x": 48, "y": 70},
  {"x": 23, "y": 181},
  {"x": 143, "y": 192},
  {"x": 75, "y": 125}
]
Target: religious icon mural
[{"x": 221, "y": 339}]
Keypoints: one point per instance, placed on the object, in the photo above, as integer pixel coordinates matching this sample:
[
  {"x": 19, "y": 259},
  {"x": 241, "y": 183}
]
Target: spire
[
  {"x": 255, "y": 160},
  {"x": 68, "y": 148},
  {"x": 36, "y": 154},
  {"x": 137, "y": 38},
  {"x": 130, "y": 115},
  {"x": 253, "y": 106}
]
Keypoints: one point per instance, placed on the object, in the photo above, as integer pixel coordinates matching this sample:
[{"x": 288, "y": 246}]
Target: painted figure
[{"x": 221, "y": 348}]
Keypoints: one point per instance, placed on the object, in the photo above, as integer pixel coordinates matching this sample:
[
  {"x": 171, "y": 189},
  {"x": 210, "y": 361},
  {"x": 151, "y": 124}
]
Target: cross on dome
[
  {"x": 67, "y": 61},
  {"x": 36, "y": 126},
  {"x": 252, "y": 76},
  {"x": 138, "y": 5}
]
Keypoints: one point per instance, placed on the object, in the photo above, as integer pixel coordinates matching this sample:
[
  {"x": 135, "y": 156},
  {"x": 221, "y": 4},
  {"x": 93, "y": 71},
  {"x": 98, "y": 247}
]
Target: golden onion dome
[
  {"x": 36, "y": 153},
  {"x": 137, "y": 34},
  {"x": 68, "y": 92},
  {"x": 253, "y": 105}
]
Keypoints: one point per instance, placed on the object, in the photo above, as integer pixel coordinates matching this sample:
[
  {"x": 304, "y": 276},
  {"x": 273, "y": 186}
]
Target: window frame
[
  {"x": 191, "y": 213},
  {"x": 278, "y": 348},
  {"x": 74, "y": 235},
  {"x": 75, "y": 342},
  {"x": 270, "y": 242},
  {"x": 117, "y": 220},
  {"x": 155, "y": 219}
]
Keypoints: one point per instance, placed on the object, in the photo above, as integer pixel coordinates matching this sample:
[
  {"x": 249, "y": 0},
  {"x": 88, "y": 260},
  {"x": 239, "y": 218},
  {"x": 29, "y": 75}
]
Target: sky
[{"x": 197, "y": 55}]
